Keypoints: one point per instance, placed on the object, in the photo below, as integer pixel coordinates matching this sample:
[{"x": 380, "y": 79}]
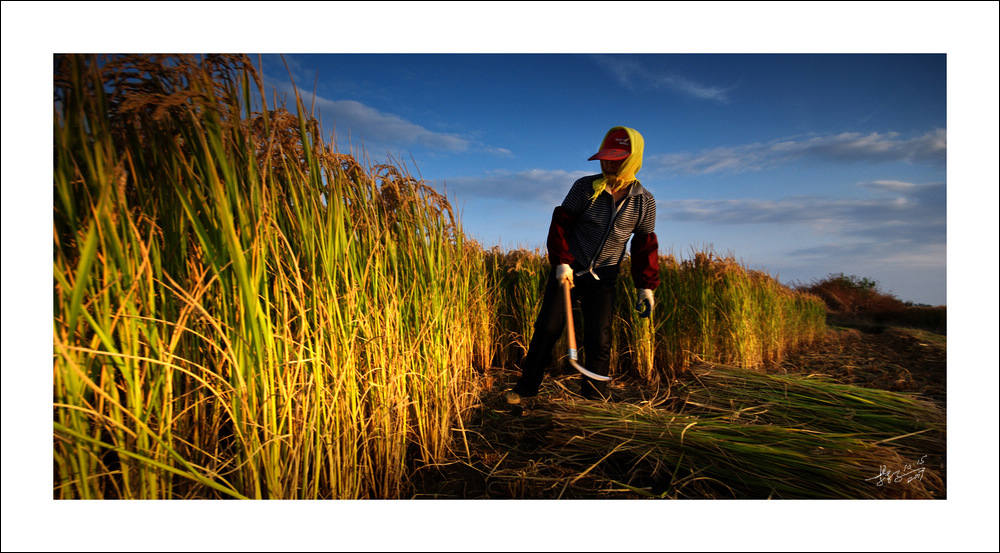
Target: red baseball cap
[{"x": 616, "y": 146}]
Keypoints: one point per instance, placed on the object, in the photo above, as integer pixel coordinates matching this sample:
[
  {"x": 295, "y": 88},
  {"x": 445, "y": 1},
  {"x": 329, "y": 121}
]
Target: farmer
[{"x": 586, "y": 246}]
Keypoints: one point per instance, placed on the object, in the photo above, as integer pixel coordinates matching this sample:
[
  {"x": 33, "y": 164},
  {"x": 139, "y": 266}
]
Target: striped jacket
[{"x": 588, "y": 235}]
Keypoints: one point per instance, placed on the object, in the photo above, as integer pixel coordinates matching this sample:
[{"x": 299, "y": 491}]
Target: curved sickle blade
[
  {"x": 579, "y": 367},
  {"x": 584, "y": 371}
]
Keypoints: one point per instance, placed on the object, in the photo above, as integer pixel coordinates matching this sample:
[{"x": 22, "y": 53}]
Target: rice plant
[
  {"x": 659, "y": 453},
  {"x": 241, "y": 310},
  {"x": 708, "y": 308},
  {"x": 813, "y": 402},
  {"x": 713, "y": 309},
  {"x": 516, "y": 280}
]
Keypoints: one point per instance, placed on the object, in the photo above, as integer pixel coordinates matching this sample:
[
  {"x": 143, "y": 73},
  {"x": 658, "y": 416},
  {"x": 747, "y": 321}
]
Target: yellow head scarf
[{"x": 633, "y": 162}]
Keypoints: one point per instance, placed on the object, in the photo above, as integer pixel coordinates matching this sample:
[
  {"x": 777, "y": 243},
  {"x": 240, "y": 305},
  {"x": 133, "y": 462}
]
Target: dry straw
[{"x": 659, "y": 453}]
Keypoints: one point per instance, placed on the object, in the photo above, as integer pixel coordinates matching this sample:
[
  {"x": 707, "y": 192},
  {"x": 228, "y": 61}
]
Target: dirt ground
[
  {"x": 500, "y": 454},
  {"x": 894, "y": 359}
]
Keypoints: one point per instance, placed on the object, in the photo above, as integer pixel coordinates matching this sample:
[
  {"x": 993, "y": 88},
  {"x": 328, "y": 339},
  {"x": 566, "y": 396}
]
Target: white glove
[
  {"x": 564, "y": 272},
  {"x": 645, "y": 304}
]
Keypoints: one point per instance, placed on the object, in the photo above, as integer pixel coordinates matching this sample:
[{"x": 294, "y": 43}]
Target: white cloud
[
  {"x": 503, "y": 152},
  {"x": 930, "y": 147},
  {"x": 633, "y": 75},
  {"x": 530, "y": 186},
  {"x": 906, "y": 212},
  {"x": 892, "y": 185},
  {"x": 358, "y": 124},
  {"x": 372, "y": 126},
  {"x": 900, "y": 236}
]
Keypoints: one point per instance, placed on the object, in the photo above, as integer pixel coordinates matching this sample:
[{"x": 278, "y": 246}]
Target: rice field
[{"x": 243, "y": 311}]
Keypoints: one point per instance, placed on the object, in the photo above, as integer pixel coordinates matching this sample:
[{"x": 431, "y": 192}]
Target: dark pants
[{"x": 597, "y": 301}]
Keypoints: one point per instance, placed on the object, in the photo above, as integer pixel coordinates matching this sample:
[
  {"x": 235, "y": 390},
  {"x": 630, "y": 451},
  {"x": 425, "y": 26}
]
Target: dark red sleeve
[
  {"x": 645, "y": 261},
  {"x": 558, "y": 242}
]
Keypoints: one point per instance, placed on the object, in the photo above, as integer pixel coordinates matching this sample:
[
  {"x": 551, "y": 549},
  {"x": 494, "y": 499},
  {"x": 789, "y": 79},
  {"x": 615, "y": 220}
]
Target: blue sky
[{"x": 800, "y": 165}]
